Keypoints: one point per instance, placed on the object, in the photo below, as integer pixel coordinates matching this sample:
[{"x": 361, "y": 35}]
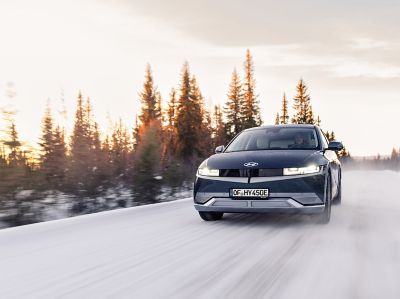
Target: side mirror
[
  {"x": 335, "y": 146},
  {"x": 219, "y": 149}
]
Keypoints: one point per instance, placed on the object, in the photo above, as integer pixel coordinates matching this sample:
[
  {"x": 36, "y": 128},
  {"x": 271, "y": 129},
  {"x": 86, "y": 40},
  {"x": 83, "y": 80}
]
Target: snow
[
  {"x": 23, "y": 194},
  {"x": 166, "y": 251},
  {"x": 36, "y": 206}
]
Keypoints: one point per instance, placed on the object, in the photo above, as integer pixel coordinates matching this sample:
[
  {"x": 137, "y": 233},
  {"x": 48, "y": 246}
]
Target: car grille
[{"x": 262, "y": 172}]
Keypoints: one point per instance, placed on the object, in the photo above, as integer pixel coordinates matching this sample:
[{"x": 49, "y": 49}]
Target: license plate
[{"x": 262, "y": 193}]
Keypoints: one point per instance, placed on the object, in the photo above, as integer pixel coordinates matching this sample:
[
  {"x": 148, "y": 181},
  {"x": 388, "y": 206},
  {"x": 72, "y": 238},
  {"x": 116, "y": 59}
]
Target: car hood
[{"x": 268, "y": 159}]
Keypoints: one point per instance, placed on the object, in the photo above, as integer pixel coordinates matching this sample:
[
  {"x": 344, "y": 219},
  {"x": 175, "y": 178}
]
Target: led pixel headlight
[
  {"x": 204, "y": 170},
  {"x": 301, "y": 170}
]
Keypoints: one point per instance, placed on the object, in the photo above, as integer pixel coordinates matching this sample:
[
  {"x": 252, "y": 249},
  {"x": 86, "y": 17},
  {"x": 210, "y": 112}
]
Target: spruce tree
[
  {"x": 46, "y": 142},
  {"x": 302, "y": 105},
  {"x": 14, "y": 144},
  {"x": 277, "y": 119},
  {"x": 147, "y": 163},
  {"x": 158, "y": 108},
  {"x": 120, "y": 150},
  {"x": 100, "y": 167},
  {"x": 233, "y": 107},
  {"x": 149, "y": 99},
  {"x": 170, "y": 135},
  {"x": 59, "y": 156},
  {"x": 80, "y": 148},
  {"x": 135, "y": 133},
  {"x": 219, "y": 132},
  {"x": 318, "y": 121},
  {"x": 171, "y": 112},
  {"x": 251, "y": 109},
  {"x": 310, "y": 116},
  {"x": 53, "y": 156},
  {"x": 202, "y": 117},
  {"x": 284, "y": 117},
  {"x": 14, "y": 170},
  {"x": 333, "y": 136},
  {"x": 84, "y": 150},
  {"x": 205, "y": 146},
  {"x": 189, "y": 118}
]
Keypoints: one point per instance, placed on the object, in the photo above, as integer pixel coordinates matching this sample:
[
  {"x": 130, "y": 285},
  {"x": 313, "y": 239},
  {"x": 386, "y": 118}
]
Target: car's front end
[{"x": 300, "y": 189}]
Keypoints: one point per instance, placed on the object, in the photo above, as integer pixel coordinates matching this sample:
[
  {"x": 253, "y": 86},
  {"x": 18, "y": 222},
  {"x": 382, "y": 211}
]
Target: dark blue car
[{"x": 284, "y": 168}]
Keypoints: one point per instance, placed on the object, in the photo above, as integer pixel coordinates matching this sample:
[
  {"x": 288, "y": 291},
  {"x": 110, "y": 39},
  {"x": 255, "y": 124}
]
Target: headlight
[
  {"x": 301, "y": 170},
  {"x": 204, "y": 170}
]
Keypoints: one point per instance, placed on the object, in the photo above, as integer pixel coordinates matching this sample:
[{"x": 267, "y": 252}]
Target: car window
[
  {"x": 324, "y": 140},
  {"x": 275, "y": 138}
]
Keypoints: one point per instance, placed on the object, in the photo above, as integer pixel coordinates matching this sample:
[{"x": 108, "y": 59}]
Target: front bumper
[
  {"x": 289, "y": 194},
  {"x": 281, "y": 205}
]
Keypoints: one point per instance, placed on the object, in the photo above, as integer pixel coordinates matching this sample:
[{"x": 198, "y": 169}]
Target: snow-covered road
[{"x": 167, "y": 251}]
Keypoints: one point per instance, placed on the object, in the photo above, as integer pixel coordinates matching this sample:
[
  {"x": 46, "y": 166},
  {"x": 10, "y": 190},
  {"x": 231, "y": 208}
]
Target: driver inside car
[{"x": 299, "y": 140}]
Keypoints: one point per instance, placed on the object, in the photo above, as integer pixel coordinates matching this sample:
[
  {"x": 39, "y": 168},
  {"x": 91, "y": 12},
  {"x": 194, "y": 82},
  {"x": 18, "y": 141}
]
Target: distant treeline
[
  {"x": 375, "y": 163},
  {"x": 162, "y": 151}
]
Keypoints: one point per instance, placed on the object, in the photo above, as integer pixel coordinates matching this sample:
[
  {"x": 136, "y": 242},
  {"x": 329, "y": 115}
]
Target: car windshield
[{"x": 275, "y": 138}]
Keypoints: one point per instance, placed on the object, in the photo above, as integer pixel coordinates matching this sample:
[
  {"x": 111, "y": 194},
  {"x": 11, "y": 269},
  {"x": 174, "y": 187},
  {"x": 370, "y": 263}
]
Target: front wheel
[
  {"x": 325, "y": 217},
  {"x": 211, "y": 216},
  {"x": 338, "y": 199}
]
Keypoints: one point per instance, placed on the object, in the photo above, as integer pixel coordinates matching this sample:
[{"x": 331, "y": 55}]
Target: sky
[{"x": 347, "y": 52}]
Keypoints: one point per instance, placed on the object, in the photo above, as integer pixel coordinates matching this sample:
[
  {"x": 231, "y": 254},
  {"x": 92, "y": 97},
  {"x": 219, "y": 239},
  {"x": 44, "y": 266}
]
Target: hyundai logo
[{"x": 250, "y": 164}]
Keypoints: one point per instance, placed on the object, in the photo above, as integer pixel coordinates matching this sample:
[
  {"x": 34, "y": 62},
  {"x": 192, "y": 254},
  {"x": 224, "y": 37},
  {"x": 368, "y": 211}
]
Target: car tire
[
  {"x": 325, "y": 216},
  {"x": 211, "y": 216},
  {"x": 338, "y": 198}
]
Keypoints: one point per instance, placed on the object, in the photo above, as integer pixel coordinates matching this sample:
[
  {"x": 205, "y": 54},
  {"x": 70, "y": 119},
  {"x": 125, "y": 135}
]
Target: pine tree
[
  {"x": 120, "y": 150},
  {"x": 173, "y": 171},
  {"x": 14, "y": 169},
  {"x": 205, "y": 146},
  {"x": 170, "y": 135},
  {"x": 100, "y": 168},
  {"x": 13, "y": 143},
  {"x": 106, "y": 149},
  {"x": 310, "y": 116},
  {"x": 284, "y": 118},
  {"x": 147, "y": 164},
  {"x": 189, "y": 118},
  {"x": 219, "y": 131},
  {"x": 135, "y": 133},
  {"x": 150, "y": 99},
  {"x": 318, "y": 121},
  {"x": 84, "y": 149},
  {"x": 277, "y": 119},
  {"x": 80, "y": 146},
  {"x": 59, "y": 156},
  {"x": 233, "y": 107},
  {"x": 53, "y": 151},
  {"x": 159, "y": 107},
  {"x": 203, "y": 117},
  {"x": 46, "y": 140},
  {"x": 301, "y": 105},
  {"x": 333, "y": 136},
  {"x": 171, "y": 112},
  {"x": 251, "y": 110}
]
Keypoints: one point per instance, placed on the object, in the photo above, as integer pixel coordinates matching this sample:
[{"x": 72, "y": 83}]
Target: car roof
[{"x": 283, "y": 126}]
